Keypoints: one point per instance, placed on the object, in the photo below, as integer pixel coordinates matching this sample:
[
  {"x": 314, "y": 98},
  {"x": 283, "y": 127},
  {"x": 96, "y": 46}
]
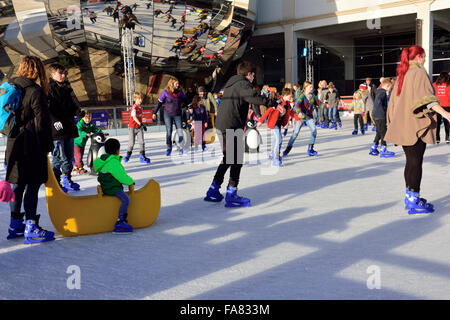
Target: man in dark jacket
[
  {"x": 63, "y": 107},
  {"x": 231, "y": 119}
]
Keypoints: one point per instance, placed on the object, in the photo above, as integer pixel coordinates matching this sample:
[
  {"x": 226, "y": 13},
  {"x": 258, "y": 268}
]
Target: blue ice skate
[
  {"x": 386, "y": 154},
  {"x": 183, "y": 151},
  {"x": 16, "y": 229},
  {"x": 374, "y": 150},
  {"x": 355, "y": 132},
  {"x": 277, "y": 162},
  {"x": 271, "y": 156},
  {"x": 35, "y": 234},
  {"x": 417, "y": 205},
  {"x": 363, "y": 131},
  {"x": 374, "y": 128},
  {"x": 69, "y": 184},
  {"x": 168, "y": 151},
  {"x": 122, "y": 226},
  {"x": 311, "y": 151},
  {"x": 143, "y": 158},
  {"x": 233, "y": 200},
  {"x": 365, "y": 127},
  {"x": 213, "y": 194}
]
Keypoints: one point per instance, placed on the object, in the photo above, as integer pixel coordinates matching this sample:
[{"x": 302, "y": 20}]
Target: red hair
[{"x": 408, "y": 54}]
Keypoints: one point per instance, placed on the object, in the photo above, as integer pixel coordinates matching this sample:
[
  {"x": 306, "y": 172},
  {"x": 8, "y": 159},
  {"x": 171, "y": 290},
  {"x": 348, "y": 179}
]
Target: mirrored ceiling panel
[{"x": 188, "y": 38}]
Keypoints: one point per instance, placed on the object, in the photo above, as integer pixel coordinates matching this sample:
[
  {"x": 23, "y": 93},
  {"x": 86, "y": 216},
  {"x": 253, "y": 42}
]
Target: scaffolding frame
[{"x": 128, "y": 64}]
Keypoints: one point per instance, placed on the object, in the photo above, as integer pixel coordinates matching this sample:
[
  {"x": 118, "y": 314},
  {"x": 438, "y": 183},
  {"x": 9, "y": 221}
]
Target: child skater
[
  {"x": 85, "y": 129},
  {"x": 358, "y": 109},
  {"x": 112, "y": 177},
  {"x": 305, "y": 108},
  {"x": 277, "y": 118},
  {"x": 379, "y": 115},
  {"x": 200, "y": 121},
  {"x": 136, "y": 127}
]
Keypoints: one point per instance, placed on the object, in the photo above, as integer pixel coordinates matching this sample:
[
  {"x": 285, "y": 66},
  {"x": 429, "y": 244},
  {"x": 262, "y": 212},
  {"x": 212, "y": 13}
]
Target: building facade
[{"x": 346, "y": 41}]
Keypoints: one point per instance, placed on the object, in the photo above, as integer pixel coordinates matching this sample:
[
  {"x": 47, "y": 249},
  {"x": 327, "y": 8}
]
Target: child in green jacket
[
  {"x": 112, "y": 177},
  {"x": 85, "y": 129}
]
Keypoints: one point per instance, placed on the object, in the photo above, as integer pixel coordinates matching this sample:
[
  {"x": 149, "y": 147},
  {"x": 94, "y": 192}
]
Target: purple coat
[{"x": 173, "y": 103}]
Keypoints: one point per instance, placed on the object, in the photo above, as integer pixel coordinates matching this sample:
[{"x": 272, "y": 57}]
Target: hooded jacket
[
  {"x": 111, "y": 173},
  {"x": 83, "y": 129},
  {"x": 237, "y": 97},
  {"x": 26, "y": 154},
  {"x": 408, "y": 115},
  {"x": 63, "y": 106}
]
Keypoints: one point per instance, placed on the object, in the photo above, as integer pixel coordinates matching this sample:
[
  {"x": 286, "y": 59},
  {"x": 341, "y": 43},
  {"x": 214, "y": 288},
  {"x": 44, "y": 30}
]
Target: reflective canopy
[{"x": 190, "y": 39}]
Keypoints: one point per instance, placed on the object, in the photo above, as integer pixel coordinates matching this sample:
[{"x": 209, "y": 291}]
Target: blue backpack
[{"x": 10, "y": 97}]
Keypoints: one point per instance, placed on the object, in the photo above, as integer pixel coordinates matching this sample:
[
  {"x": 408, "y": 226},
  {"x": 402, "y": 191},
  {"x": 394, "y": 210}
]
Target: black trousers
[
  {"x": 413, "y": 168},
  {"x": 446, "y": 126},
  {"x": 381, "y": 127},
  {"x": 356, "y": 118},
  {"x": 234, "y": 160}
]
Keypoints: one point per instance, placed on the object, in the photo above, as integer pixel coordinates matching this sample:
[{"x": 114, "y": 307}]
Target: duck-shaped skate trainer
[{"x": 80, "y": 215}]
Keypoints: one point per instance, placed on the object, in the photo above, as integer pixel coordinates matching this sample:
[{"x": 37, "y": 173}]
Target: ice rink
[{"x": 326, "y": 227}]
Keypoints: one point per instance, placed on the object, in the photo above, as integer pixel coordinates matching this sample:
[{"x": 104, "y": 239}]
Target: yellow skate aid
[{"x": 74, "y": 216}]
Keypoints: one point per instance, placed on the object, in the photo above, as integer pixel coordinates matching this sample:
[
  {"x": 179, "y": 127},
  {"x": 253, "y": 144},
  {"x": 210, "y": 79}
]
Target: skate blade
[
  {"x": 237, "y": 205},
  {"x": 14, "y": 236},
  {"x": 387, "y": 156},
  {"x": 37, "y": 240},
  {"x": 209, "y": 199},
  {"x": 122, "y": 232},
  {"x": 420, "y": 211}
]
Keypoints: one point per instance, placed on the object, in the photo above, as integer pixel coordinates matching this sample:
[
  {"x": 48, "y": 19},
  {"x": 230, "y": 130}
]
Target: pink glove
[{"x": 6, "y": 192}]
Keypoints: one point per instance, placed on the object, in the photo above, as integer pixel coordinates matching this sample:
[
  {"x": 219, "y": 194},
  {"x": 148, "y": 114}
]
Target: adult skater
[
  {"x": 173, "y": 99},
  {"x": 411, "y": 119},
  {"x": 26, "y": 153},
  {"x": 231, "y": 119}
]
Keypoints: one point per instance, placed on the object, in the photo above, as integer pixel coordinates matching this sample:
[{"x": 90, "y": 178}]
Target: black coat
[
  {"x": 63, "y": 106},
  {"x": 380, "y": 105},
  {"x": 233, "y": 109},
  {"x": 26, "y": 154}
]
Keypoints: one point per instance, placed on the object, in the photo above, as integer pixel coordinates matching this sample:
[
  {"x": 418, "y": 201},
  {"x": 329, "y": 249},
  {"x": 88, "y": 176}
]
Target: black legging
[
  {"x": 380, "y": 125},
  {"x": 356, "y": 118},
  {"x": 235, "y": 163},
  {"x": 413, "y": 168}
]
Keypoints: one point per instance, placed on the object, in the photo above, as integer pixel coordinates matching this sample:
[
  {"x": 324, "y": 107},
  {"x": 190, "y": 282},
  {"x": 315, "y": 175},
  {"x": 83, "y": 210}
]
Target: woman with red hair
[{"x": 412, "y": 121}]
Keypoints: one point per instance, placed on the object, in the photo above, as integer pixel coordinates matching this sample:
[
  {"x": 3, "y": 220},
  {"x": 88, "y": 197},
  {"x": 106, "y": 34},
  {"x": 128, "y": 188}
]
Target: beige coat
[{"x": 408, "y": 117}]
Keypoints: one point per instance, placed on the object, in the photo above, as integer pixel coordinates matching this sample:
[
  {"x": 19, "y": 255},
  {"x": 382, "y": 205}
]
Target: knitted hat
[{"x": 363, "y": 86}]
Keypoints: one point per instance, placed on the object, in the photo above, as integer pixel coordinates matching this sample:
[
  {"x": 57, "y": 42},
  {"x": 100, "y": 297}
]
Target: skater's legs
[
  {"x": 131, "y": 139},
  {"x": 168, "y": 120},
  {"x": 141, "y": 141},
  {"x": 438, "y": 129},
  {"x": 380, "y": 125},
  {"x": 125, "y": 201},
  {"x": 295, "y": 133},
  {"x": 313, "y": 129},
  {"x": 79, "y": 152},
  {"x": 179, "y": 129},
  {"x": 28, "y": 193},
  {"x": 276, "y": 141},
  {"x": 413, "y": 167}
]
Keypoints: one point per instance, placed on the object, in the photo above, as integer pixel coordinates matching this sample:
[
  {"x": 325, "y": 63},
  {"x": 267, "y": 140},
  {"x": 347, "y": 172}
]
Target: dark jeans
[
  {"x": 356, "y": 118},
  {"x": 380, "y": 125},
  {"x": 125, "y": 201},
  {"x": 62, "y": 157},
  {"x": 235, "y": 160},
  {"x": 30, "y": 200},
  {"x": 446, "y": 126},
  {"x": 413, "y": 168},
  {"x": 168, "y": 121}
]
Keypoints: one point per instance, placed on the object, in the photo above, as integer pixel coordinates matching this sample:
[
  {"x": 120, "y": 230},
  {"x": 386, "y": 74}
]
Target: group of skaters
[{"x": 47, "y": 113}]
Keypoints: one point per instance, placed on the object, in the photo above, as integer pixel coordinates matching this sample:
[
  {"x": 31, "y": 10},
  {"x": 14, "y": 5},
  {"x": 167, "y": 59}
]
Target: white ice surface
[{"x": 314, "y": 229}]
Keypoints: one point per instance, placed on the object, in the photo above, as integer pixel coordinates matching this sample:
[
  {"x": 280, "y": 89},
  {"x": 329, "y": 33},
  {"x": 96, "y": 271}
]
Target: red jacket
[
  {"x": 443, "y": 93},
  {"x": 273, "y": 113}
]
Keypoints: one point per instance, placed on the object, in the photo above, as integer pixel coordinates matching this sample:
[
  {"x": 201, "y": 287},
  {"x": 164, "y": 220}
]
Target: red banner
[{"x": 147, "y": 117}]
